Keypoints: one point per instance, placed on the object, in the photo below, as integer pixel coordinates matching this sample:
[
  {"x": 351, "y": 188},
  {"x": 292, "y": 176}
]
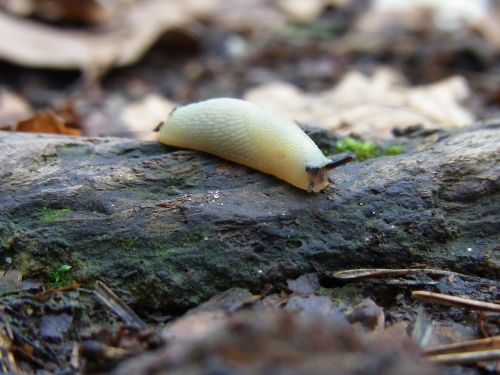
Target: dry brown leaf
[
  {"x": 13, "y": 108},
  {"x": 46, "y": 122},
  {"x": 83, "y": 11},
  {"x": 33, "y": 44},
  {"x": 370, "y": 106}
]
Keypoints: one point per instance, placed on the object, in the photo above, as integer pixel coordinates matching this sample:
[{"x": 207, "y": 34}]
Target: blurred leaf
[
  {"x": 95, "y": 50},
  {"x": 46, "y": 122},
  {"x": 370, "y": 106}
]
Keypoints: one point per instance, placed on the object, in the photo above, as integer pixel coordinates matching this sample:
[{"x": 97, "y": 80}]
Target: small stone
[{"x": 53, "y": 327}]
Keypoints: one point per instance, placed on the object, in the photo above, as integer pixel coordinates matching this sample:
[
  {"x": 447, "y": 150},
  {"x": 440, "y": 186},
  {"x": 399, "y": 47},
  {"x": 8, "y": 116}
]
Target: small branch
[
  {"x": 465, "y": 358},
  {"x": 448, "y": 300},
  {"x": 108, "y": 298},
  {"x": 387, "y": 272},
  {"x": 465, "y": 346}
]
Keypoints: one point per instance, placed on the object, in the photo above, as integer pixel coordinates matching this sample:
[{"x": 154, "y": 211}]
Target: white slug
[{"x": 244, "y": 133}]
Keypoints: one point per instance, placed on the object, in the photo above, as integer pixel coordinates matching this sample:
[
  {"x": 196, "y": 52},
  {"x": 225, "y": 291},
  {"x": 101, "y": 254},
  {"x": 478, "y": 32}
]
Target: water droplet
[
  {"x": 361, "y": 203},
  {"x": 469, "y": 249},
  {"x": 205, "y": 238},
  {"x": 259, "y": 271}
]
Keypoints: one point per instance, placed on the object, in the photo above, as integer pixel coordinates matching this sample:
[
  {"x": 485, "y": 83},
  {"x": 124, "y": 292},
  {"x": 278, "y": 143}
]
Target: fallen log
[{"x": 174, "y": 227}]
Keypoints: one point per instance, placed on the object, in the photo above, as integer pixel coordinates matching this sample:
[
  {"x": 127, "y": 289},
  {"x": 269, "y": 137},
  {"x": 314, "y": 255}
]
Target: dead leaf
[
  {"x": 368, "y": 314},
  {"x": 144, "y": 115},
  {"x": 489, "y": 27},
  {"x": 248, "y": 15},
  {"x": 299, "y": 10},
  {"x": 136, "y": 119},
  {"x": 447, "y": 332},
  {"x": 207, "y": 317},
  {"x": 13, "y": 108},
  {"x": 10, "y": 281},
  {"x": 195, "y": 326},
  {"x": 30, "y": 43},
  {"x": 46, "y": 122},
  {"x": 319, "y": 306},
  {"x": 80, "y": 11},
  {"x": 370, "y": 106},
  {"x": 306, "y": 284},
  {"x": 444, "y": 14},
  {"x": 275, "y": 342}
]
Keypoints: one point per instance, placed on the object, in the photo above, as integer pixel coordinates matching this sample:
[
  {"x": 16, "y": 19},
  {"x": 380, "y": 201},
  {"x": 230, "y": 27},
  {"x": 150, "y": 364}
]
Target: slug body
[{"x": 242, "y": 132}]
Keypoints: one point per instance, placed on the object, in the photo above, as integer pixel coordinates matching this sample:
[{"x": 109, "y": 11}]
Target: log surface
[{"x": 173, "y": 227}]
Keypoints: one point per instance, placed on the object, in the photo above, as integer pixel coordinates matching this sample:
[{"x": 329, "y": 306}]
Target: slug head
[{"x": 318, "y": 176}]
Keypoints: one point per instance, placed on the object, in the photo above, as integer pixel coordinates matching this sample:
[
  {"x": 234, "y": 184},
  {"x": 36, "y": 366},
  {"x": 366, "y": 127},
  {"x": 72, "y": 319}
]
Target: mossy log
[{"x": 173, "y": 227}]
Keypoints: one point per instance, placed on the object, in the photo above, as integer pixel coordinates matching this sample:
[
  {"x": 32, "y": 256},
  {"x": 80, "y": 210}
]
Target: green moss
[
  {"x": 365, "y": 149},
  {"x": 49, "y": 215},
  {"x": 130, "y": 243},
  {"x": 393, "y": 150}
]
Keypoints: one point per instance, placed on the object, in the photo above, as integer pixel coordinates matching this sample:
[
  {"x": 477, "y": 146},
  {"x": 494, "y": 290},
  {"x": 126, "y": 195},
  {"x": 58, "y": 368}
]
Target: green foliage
[
  {"x": 365, "y": 149},
  {"x": 49, "y": 215},
  {"x": 60, "y": 276}
]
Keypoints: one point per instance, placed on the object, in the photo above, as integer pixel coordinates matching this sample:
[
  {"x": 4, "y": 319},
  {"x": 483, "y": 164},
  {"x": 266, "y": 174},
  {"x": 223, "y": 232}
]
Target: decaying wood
[{"x": 173, "y": 227}]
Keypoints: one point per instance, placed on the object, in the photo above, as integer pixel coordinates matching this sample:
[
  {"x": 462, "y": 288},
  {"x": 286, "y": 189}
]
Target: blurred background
[{"x": 364, "y": 67}]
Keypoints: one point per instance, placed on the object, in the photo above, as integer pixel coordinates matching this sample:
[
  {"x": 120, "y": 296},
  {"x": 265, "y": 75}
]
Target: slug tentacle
[
  {"x": 244, "y": 133},
  {"x": 338, "y": 163},
  {"x": 158, "y": 127}
]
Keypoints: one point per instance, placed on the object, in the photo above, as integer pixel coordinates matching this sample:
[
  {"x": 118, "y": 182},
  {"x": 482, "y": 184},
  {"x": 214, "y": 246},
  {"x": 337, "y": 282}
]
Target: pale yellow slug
[{"x": 247, "y": 134}]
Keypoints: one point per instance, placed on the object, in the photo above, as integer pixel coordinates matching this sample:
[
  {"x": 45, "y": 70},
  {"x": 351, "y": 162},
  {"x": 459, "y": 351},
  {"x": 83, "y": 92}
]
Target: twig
[
  {"x": 465, "y": 346},
  {"x": 387, "y": 272},
  {"x": 465, "y": 358},
  {"x": 41, "y": 295},
  {"x": 108, "y": 298},
  {"x": 448, "y": 300}
]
